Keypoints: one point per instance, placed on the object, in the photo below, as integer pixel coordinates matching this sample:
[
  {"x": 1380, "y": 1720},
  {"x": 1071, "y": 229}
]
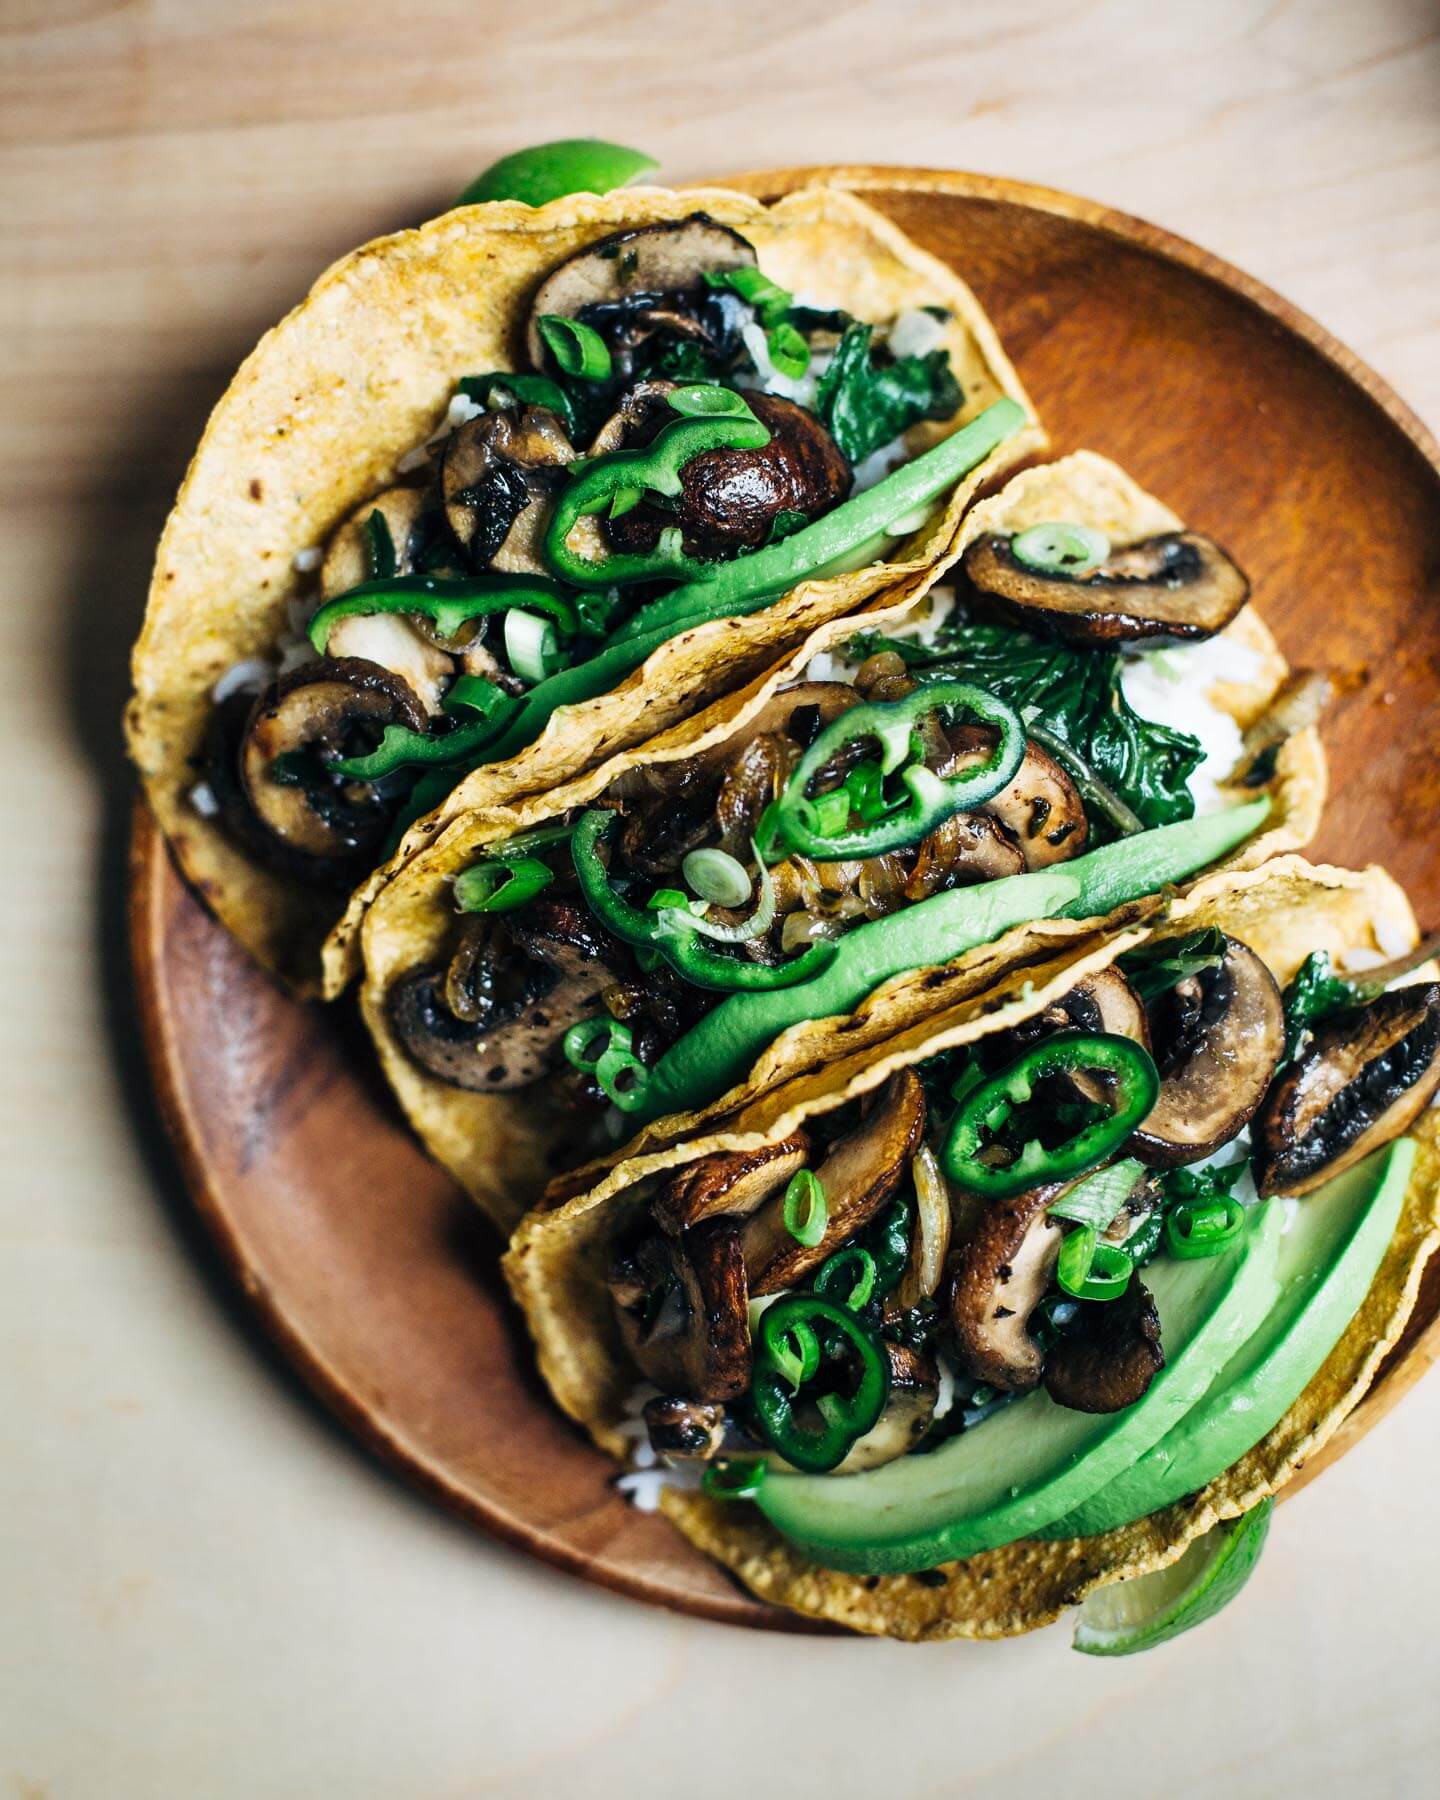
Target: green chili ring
[
  {"x": 450, "y": 604},
  {"x": 843, "y": 1419},
  {"x": 665, "y": 930},
  {"x": 987, "y": 1108},
  {"x": 931, "y": 799},
  {"x": 400, "y": 747},
  {"x": 655, "y": 470}
]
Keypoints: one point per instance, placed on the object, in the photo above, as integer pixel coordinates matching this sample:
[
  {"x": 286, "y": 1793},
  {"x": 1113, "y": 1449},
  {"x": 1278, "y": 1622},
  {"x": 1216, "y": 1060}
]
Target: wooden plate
[{"x": 362, "y": 1259}]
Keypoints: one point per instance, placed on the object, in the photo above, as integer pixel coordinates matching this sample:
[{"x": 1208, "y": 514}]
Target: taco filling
[
  {"x": 912, "y": 796},
  {"x": 687, "y": 441},
  {"x": 1042, "y": 1282}
]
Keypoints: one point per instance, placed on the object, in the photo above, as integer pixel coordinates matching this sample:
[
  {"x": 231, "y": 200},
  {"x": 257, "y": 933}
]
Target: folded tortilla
[
  {"x": 559, "y": 1258},
  {"x": 361, "y": 372},
  {"x": 505, "y": 1148}
]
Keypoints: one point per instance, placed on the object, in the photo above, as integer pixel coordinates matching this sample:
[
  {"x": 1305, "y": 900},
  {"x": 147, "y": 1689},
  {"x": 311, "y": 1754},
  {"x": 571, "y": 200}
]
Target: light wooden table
[{"x": 204, "y": 1590}]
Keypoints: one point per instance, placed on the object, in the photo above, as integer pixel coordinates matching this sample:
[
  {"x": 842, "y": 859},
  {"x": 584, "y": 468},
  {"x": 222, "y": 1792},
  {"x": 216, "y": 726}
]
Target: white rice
[
  {"x": 872, "y": 469},
  {"x": 305, "y": 562},
  {"x": 1174, "y": 687},
  {"x": 246, "y": 677},
  {"x": 202, "y": 798},
  {"x": 915, "y": 333},
  {"x": 799, "y": 388}
]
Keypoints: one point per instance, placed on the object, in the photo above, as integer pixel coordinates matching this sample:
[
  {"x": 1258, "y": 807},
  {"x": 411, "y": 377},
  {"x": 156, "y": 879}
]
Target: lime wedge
[
  {"x": 567, "y": 166},
  {"x": 1126, "y": 1616}
]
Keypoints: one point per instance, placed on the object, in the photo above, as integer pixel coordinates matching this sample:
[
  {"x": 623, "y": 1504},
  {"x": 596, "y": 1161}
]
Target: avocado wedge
[
  {"x": 1328, "y": 1258},
  {"x": 714, "y": 1054},
  {"x": 1034, "y": 1460}
]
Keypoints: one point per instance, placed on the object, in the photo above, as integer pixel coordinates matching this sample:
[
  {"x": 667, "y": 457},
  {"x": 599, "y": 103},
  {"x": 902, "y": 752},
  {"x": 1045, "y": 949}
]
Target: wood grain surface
[{"x": 207, "y": 1592}]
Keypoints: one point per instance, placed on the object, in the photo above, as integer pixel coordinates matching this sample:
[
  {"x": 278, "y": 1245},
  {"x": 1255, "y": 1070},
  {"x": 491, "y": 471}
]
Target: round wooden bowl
[{"x": 373, "y": 1274}]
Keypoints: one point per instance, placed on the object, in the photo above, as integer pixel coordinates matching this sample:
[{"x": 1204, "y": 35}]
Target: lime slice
[
  {"x": 567, "y": 166},
  {"x": 1126, "y": 1616}
]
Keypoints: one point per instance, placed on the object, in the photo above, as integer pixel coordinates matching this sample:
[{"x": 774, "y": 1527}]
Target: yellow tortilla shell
[
  {"x": 557, "y": 1261},
  {"x": 504, "y": 1148},
  {"x": 361, "y": 372}
]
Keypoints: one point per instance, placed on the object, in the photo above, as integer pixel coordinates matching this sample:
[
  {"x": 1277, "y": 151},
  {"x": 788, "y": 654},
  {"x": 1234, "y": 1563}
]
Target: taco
[
  {"x": 519, "y": 489},
  {"x": 1028, "y": 1298},
  {"x": 920, "y": 796}
]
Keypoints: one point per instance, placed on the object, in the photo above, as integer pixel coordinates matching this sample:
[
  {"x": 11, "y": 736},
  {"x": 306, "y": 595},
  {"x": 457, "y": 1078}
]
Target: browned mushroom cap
[
  {"x": 334, "y": 708},
  {"x": 1217, "y": 1038},
  {"x": 646, "y": 274},
  {"x": 683, "y": 1311},
  {"x": 641, "y": 414},
  {"x": 914, "y": 1391},
  {"x": 1365, "y": 1077},
  {"x": 730, "y": 499},
  {"x": 1103, "y": 1002},
  {"x": 492, "y": 1019},
  {"x": 963, "y": 849},
  {"x": 498, "y": 476},
  {"x": 1109, "y": 1356},
  {"x": 1041, "y": 808},
  {"x": 860, "y": 1173},
  {"x": 684, "y": 1428},
  {"x": 347, "y": 558},
  {"x": 733, "y": 1182},
  {"x": 1176, "y": 585},
  {"x": 1003, "y": 1272}
]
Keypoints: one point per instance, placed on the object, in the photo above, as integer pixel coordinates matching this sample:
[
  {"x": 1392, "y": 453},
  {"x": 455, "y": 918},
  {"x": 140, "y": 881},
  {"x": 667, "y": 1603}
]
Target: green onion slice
[
  {"x": 1098, "y": 1198},
  {"x": 531, "y": 646},
  {"x": 1060, "y": 548},
  {"x": 1090, "y": 1270},
  {"x": 601, "y": 1047},
  {"x": 578, "y": 349},
  {"x": 501, "y": 885},
  {"x": 716, "y": 875},
  {"x": 769, "y": 299},
  {"x": 848, "y": 1277},
  {"x": 1197, "y": 1228},
  {"x": 795, "y": 1352},
  {"x": 805, "y": 1209},
  {"x": 788, "y": 350}
]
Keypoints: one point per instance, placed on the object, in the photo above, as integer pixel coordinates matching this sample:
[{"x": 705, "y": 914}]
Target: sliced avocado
[
  {"x": 1328, "y": 1258},
  {"x": 717, "y": 1052},
  {"x": 1033, "y": 1460}
]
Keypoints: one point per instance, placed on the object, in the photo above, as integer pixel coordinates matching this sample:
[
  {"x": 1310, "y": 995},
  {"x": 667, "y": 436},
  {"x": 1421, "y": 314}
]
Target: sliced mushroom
[
  {"x": 1041, "y": 808},
  {"x": 1110, "y": 1354},
  {"x": 1217, "y": 1038},
  {"x": 650, "y": 276},
  {"x": 324, "y": 711},
  {"x": 1175, "y": 585},
  {"x": 683, "y": 1312},
  {"x": 392, "y": 642},
  {"x": 498, "y": 475},
  {"x": 643, "y": 411},
  {"x": 1003, "y": 1272},
  {"x": 348, "y": 558},
  {"x": 861, "y": 1172},
  {"x": 1103, "y": 1002},
  {"x": 733, "y": 1182},
  {"x": 964, "y": 849},
  {"x": 730, "y": 499},
  {"x": 1364, "y": 1079},
  {"x": 914, "y": 1392},
  {"x": 492, "y": 1019},
  {"x": 691, "y": 1429}
]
